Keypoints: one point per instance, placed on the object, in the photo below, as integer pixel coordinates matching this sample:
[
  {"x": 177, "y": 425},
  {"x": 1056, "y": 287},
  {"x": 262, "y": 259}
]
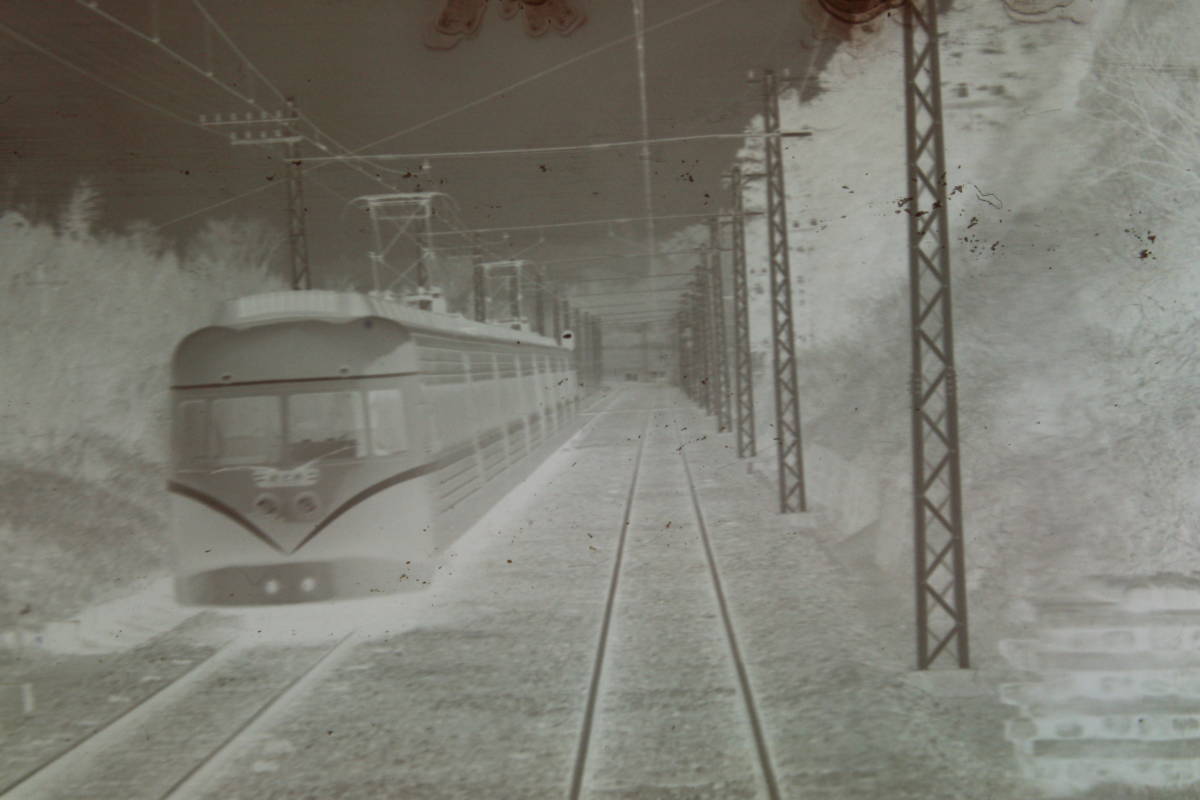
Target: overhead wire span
[
  {"x": 470, "y": 236},
  {"x": 113, "y": 70},
  {"x": 250, "y": 65},
  {"x": 579, "y": 223},
  {"x": 581, "y": 297},
  {"x": 540, "y": 74},
  {"x": 324, "y": 161},
  {"x": 238, "y": 51},
  {"x": 155, "y": 41},
  {"x": 452, "y": 112},
  {"x": 65, "y": 62},
  {"x": 330, "y": 189},
  {"x": 622, "y": 256},
  {"x": 652, "y": 307},
  {"x": 567, "y": 148},
  {"x": 645, "y": 278}
]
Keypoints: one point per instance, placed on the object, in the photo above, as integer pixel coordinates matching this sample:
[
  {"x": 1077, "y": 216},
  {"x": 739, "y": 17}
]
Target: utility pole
[
  {"x": 717, "y": 284},
  {"x": 703, "y": 337},
  {"x": 644, "y": 330},
  {"x": 597, "y": 371},
  {"x": 297, "y": 229},
  {"x": 743, "y": 368},
  {"x": 514, "y": 295},
  {"x": 582, "y": 364},
  {"x": 428, "y": 263},
  {"x": 940, "y": 563},
  {"x": 783, "y": 333},
  {"x": 681, "y": 345},
  {"x": 280, "y": 128},
  {"x": 539, "y": 301},
  {"x": 479, "y": 286},
  {"x": 941, "y": 590},
  {"x": 695, "y": 351}
]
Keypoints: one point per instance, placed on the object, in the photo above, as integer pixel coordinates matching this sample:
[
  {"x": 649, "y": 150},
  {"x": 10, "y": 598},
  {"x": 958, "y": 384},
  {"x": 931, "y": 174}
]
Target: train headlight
[
  {"x": 267, "y": 505},
  {"x": 306, "y": 505}
]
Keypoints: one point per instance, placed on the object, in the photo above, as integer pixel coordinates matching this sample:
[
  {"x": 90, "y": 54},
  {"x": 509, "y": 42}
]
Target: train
[{"x": 328, "y": 445}]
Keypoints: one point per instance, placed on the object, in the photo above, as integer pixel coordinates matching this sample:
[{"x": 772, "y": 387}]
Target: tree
[
  {"x": 1148, "y": 99},
  {"x": 82, "y": 210},
  {"x": 249, "y": 244}
]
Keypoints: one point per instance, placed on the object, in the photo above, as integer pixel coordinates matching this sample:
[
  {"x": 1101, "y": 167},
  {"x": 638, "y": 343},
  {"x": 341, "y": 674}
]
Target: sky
[{"x": 360, "y": 70}]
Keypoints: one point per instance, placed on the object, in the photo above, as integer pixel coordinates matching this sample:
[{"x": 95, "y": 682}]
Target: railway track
[
  {"x": 670, "y": 703},
  {"x": 167, "y": 744}
]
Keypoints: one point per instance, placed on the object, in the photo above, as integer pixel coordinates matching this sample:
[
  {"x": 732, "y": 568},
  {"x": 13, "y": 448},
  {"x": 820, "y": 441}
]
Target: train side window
[
  {"x": 191, "y": 429},
  {"x": 385, "y": 409},
  {"x": 325, "y": 424},
  {"x": 246, "y": 430}
]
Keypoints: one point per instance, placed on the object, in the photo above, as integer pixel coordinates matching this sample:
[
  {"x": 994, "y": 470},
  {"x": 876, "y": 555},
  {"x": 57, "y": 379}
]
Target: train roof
[{"x": 329, "y": 306}]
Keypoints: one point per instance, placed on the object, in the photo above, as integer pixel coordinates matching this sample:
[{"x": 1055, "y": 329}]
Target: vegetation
[
  {"x": 91, "y": 317},
  {"x": 1075, "y": 318}
]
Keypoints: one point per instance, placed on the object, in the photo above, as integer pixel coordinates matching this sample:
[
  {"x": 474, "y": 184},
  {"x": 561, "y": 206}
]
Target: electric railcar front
[{"x": 305, "y": 455}]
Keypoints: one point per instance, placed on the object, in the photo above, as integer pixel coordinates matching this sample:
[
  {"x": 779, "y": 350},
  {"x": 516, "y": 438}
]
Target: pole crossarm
[{"x": 940, "y": 571}]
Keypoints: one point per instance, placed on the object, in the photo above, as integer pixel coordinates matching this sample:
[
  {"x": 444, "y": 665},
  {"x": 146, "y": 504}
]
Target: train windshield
[
  {"x": 244, "y": 430},
  {"x": 289, "y": 429},
  {"x": 388, "y": 435},
  {"x": 324, "y": 424}
]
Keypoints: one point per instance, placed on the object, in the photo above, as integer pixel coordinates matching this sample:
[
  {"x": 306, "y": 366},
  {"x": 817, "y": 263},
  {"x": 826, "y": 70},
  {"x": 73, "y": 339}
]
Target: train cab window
[
  {"x": 324, "y": 424},
  {"x": 385, "y": 409},
  {"x": 246, "y": 430},
  {"x": 191, "y": 429}
]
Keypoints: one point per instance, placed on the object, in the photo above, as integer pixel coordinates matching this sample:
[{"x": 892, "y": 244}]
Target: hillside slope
[
  {"x": 1073, "y": 289},
  {"x": 91, "y": 318}
]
